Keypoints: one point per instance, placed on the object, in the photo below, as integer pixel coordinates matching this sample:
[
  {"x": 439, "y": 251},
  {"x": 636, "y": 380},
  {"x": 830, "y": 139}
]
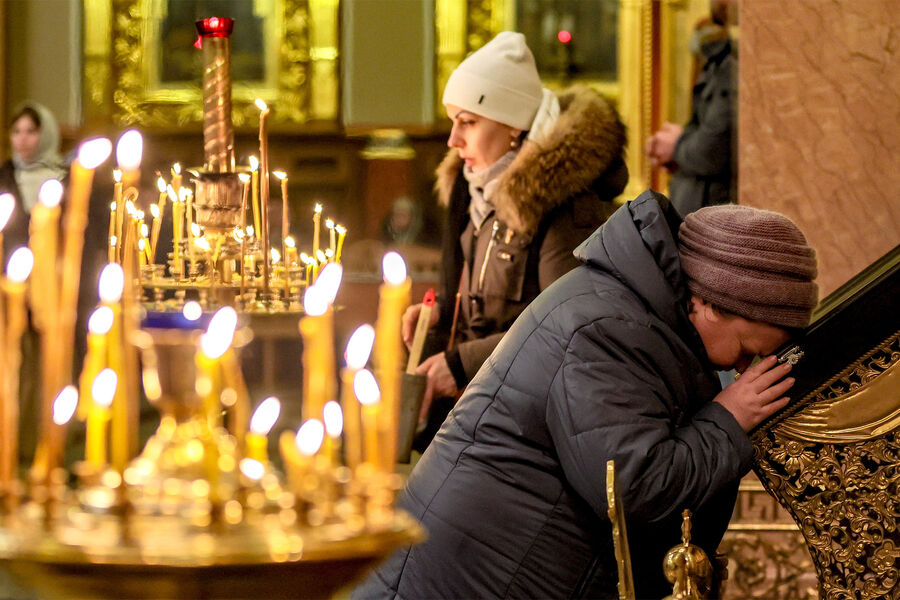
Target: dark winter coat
[
  {"x": 15, "y": 234},
  {"x": 549, "y": 200},
  {"x": 604, "y": 364},
  {"x": 705, "y": 152}
]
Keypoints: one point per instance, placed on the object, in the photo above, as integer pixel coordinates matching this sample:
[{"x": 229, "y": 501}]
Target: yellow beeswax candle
[
  {"x": 264, "y": 418},
  {"x": 367, "y": 393},
  {"x": 357, "y": 355},
  {"x": 103, "y": 390}
]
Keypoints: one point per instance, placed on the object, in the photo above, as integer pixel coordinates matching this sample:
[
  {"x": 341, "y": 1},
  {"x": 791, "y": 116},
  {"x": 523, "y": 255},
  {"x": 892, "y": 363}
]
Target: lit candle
[
  {"x": 188, "y": 197},
  {"x": 158, "y": 210},
  {"x": 103, "y": 390},
  {"x": 321, "y": 260},
  {"x": 264, "y": 418},
  {"x": 176, "y": 178},
  {"x": 308, "y": 261},
  {"x": 356, "y": 356},
  {"x": 254, "y": 191},
  {"x": 7, "y": 205},
  {"x": 20, "y": 264},
  {"x": 297, "y": 451},
  {"x": 285, "y": 212},
  {"x": 317, "y": 219},
  {"x": 393, "y": 298},
  {"x": 245, "y": 184},
  {"x": 290, "y": 256},
  {"x": 111, "y": 238},
  {"x": 63, "y": 408},
  {"x": 316, "y": 328},
  {"x": 342, "y": 232},
  {"x": 177, "y": 233},
  {"x": 264, "y": 190},
  {"x": 111, "y": 287},
  {"x": 334, "y": 426},
  {"x": 129, "y": 151},
  {"x": 329, "y": 225},
  {"x": 99, "y": 324},
  {"x": 366, "y": 389},
  {"x": 213, "y": 344}
]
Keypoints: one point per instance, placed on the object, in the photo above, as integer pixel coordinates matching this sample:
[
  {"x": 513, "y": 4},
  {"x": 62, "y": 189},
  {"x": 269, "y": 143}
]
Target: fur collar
[{"x": 584, "y": 142}]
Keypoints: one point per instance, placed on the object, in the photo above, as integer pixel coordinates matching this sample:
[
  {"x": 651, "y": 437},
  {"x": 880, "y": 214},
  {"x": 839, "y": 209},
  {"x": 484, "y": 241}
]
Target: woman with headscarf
[
  {"x": 34, "y": 139},
  {"x": 529, "y": 175}
]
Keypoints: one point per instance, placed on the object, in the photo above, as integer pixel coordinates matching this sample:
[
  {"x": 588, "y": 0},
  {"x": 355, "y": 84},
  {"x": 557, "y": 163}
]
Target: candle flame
[
  {"x": 321, "y": 256},
  {"x": 154, "y": 210},
  {"x": 20, "y": 263},
  {"x": 265, "y": 416},
  {"x": 244, "y": 177},
  {"x": 129, "y": 207},
  {"x": 359, "y": 347},
  {"x": 129, "y": 150},
  {"x": 112, "y": 206},
  {"x": 280, "y": 175},
  {"x": 340, "y": 229},
  {"x": 220, "y": 333},
  {"x": 237, "y": 233},
  {"x": 144, "y": 229},
  {"x": 195, "y": 229},
  {"x": 315, "y": 301},
  {"x": 261, "y": 105},
  {"x": 254, "y": 163},
  {"x": 50, "y": 193},
  {"x": 202, "y": 243},
  {"x": 113, "y": 241},
  {"x": 173, "y": 195},
  {"x": 117, "y": 175},
  {"x": 329, "y": 280},
  {"x": 394, "y": 268},
  {"x": 329, "y": 224},
  {"x": 112, "y": 282},
  {"x": 141, "y": 245},
  {"x": 305, "y": 258},
  {"x": 192, "y": 310},
  {"x": 103, "y": 389},
  {"x": 161, "y": 184},
  {"x": 252, "y": 469},
  {"x": 289, "y": 242},
  {"x": 329, "y": 253},
  {"x": 139, "y": 215},
  {"x": 183, "y": 194},
  {"x": 7, "y": 205},
  {"x": 317, "y": 208},
  {"x": 366, "y": 388},
  {"x": 334, "y": 419},
  {"x": 176, "y": 168},
  {"x": 276, "y": 255},
  {"x": 250, "y": 231},
  {"x": 310, "y": 437},
  {"x": 101, "y": 321},
  {"x": 92, "y": 153},
  {"x": 64, "y": 405}
]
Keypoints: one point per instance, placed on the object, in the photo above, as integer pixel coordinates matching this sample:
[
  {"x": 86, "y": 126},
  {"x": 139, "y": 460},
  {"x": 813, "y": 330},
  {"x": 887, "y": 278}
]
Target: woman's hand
[
  {"x": 410, "y": 319},
  {"x": 440, "y": 382},
  {"x": 758, "y": 393}
]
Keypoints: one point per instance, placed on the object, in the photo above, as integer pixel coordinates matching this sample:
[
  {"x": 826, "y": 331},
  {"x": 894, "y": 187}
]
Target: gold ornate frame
[{"x": 121, "y": 53}]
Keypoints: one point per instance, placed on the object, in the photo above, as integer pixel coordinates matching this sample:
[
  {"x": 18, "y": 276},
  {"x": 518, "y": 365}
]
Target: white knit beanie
[{"x": 498, "y": 81}]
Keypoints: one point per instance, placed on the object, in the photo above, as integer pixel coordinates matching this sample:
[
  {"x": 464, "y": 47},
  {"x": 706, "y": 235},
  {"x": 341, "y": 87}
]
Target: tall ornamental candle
[
  {"x": 129, "y": 152},
  {"x": 96, "y": 359},
  {"x": 102, "y": 390},
  {"x": 393, "y": 298},
  {"x": 254, "y": 192},
  {"x": 317, "y": 331},
  {"x": 264, "y": 191},
  {"x": 356, "y": 356}
]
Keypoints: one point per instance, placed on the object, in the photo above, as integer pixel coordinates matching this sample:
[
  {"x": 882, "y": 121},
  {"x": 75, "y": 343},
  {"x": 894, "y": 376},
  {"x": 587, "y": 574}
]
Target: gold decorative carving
[
  {"x": 616, "y": 514},
  {"x": 300, "y": 79},
  {"x": 835, "y": 466}
]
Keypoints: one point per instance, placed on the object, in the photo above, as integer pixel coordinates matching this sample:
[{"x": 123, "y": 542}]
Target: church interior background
[{"x": 357, "y": 125}]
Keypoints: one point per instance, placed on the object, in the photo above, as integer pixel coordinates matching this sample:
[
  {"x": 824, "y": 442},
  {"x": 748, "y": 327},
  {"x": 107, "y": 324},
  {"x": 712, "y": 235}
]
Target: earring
[{"x": 513, "y": 143}]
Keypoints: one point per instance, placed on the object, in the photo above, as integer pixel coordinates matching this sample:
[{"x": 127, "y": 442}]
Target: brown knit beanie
[{"x": 754, "y": 263}]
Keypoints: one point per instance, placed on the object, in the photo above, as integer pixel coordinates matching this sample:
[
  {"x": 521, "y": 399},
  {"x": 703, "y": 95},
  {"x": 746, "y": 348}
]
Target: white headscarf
[{"x": 46, "y": 164}]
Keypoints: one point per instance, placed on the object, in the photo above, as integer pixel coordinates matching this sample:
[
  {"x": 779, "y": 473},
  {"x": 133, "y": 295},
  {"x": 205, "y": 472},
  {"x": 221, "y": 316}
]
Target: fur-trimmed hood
[{"x": 584, "y": 142}]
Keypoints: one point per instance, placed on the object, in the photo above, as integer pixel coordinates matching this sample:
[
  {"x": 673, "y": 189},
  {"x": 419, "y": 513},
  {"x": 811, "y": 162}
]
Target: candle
[
  {"x": 177, "y": 233},
  {"x": 158, "y": 210},
  {"x": 245, "y": 184},
  {"x": 129, "y": 150},
  {"x": 297, "y": 451},
  {"x": 264, "y": 191},
  {"x": 342, "y": 232},
  {"x": 188, "y": 197},
  {"x": 356, "y": 356},
  {"x": 62, "y": 409},
  {"x": 317, "y": 218},
  {"x": 393, "y": 298},
  {"x": 103, "y": 389},
  {"x": 120, "y": 211},
  {"x": 290, "y": 256},
  {"x": 20, "y": 264},
  {"x": 285, "y": 212},
  {"x": 308, "y": 261},
  {"x": 254, "y": 191},
  {"x": 264, "y": 418},
  {"x": 309, "y": 437},
  {"x": 321, "y": 259},
  {"x": 96, "y": 359},
  {"x": 329, "y": 225},
  {"x": 213, "y": 344},
  {"x": 111, "y": 288},
  {"x": 316, "y": 328},
  {"x": 111, "y": 238},
  {"x": 334, "y": 426},
  {"x": 367, "y": 393}
]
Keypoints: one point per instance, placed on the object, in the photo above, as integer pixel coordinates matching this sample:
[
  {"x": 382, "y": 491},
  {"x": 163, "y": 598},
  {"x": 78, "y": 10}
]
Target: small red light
[
  {"x": 214, "y": 23},
  {"x": 564, "y": 36}
]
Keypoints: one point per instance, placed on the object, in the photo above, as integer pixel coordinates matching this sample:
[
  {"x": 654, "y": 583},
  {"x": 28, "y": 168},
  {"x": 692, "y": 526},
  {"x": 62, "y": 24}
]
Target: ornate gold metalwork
[
  {"x": 616, "y": 513},
  {"x": 835, "y": 466},
  {"x": 687, "y": 567},
  {"x": 300, "y": 83}
]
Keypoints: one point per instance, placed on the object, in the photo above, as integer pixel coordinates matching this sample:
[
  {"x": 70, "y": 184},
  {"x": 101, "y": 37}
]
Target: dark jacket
[
  {"x": 705, "y": 153},
  {"x": 604, "y": 364},
  {"x": 15, "y": 234},
  {"x": 548, "y": 201}
]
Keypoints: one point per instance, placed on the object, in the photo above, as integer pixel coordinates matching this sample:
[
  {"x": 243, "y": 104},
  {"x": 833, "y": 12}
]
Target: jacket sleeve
[
  {"x": 704, "y": 148},
  {"x": 614, "y": 399}
]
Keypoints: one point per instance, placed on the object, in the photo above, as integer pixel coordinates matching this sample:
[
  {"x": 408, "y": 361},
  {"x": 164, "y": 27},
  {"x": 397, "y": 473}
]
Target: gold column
[{"x": 635, "y": 101}]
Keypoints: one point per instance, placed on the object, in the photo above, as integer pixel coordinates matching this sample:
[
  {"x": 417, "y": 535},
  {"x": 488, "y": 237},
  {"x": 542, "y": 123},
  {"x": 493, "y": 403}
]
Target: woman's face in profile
[
  {"x": 479, "y": 140},
  {"x": 24, "y": 137}
]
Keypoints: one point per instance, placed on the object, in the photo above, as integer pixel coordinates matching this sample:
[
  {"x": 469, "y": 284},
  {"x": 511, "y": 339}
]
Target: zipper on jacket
[{"x": 487, "y": 255}]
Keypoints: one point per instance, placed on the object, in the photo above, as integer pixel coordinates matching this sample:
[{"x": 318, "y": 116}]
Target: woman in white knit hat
[{"x": 529, "y": 175}]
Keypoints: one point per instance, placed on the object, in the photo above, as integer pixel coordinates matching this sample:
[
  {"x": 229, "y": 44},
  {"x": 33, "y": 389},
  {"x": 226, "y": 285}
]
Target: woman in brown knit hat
[{"x": 615, "y": 361}]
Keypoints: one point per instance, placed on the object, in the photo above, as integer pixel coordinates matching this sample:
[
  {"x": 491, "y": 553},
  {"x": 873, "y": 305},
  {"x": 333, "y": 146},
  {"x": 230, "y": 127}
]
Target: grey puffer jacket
[{"x": 604, "y": 364}]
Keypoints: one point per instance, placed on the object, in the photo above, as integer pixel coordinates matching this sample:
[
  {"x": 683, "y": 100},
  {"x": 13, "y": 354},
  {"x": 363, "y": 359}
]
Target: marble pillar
[{"x": 819, "y": 124}]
